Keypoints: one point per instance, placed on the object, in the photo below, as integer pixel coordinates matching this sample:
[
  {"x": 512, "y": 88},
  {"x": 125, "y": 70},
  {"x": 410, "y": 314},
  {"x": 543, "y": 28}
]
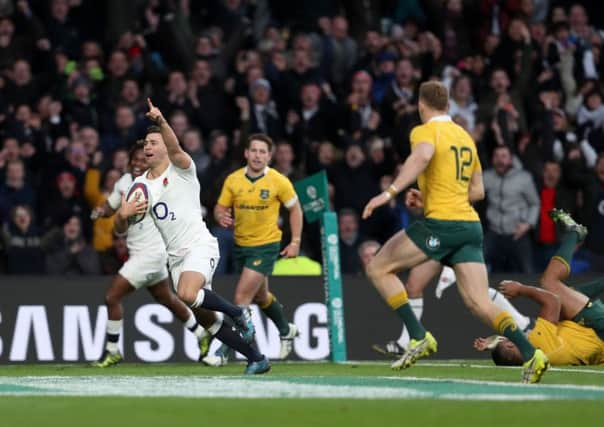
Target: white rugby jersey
[
  {"x": 176, "y": 210},
  {"x": 142, "y": 236}
]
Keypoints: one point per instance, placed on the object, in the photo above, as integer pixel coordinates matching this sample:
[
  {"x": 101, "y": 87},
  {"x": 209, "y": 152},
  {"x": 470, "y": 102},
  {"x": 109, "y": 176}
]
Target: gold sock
[
  {"x": 503, "y": 321},
  {"x": 397, "y": 300},
  {"x": 270, "y": 300}
]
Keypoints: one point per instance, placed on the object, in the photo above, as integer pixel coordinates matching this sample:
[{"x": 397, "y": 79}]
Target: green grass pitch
[{"x": 448, "y": 393}]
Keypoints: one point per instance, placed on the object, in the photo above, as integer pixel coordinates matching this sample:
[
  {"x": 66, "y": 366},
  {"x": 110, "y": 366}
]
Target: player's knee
[
  {"x": 372, "y": 270},
  {"x": 187, "y": 295}
]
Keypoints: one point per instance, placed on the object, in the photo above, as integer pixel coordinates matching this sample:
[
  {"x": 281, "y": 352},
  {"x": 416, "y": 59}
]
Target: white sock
[
  {"x": 215, "y": 327},
  {"x": 502, "y": 302},
  {"x": 447, "y": 278},
  {"x": 113, "y": 328},
  {"x": 403, "y": 340},
  {"x": 192, "y": 325},
  {"x": 199, "y": 300},
  {"x": 111, "y": 347},
  {"x": 191, "y": 321},
  {"x": 417, "y": 306}
]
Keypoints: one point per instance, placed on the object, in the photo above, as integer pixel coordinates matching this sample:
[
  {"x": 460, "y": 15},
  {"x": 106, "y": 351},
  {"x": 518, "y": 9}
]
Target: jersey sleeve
[
  {"x": 421, "y": 134},
  {"x": 287, "y": 195},
  {"x": 115, "y": 198},
  {"x": 226, "y": 194},
  {"x": 189, "y": 173}
]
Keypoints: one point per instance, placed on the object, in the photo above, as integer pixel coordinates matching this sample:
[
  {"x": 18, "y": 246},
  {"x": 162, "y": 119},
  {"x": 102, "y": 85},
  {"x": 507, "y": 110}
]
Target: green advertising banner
[
  {"x": 312, "y": 192},
  {"x": 332, "y": 280}
]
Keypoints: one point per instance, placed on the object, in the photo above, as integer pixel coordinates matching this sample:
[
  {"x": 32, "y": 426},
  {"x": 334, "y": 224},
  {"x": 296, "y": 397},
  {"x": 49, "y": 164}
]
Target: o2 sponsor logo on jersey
[{"x": 161, "y": 212}]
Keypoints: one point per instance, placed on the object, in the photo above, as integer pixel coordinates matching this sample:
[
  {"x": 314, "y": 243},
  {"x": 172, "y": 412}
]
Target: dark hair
[
  {"x": 434, "y": 94},
  {"x": 260, "y": 137},
  {"x": 153, "y": 129},
  {"x": 502, "y": 356},
  {"x": 559, "y": 26},
  {"x": 139, "y": 145},
  {"x": 348, "y": 212},
  {"x": 502, "y": 146}
]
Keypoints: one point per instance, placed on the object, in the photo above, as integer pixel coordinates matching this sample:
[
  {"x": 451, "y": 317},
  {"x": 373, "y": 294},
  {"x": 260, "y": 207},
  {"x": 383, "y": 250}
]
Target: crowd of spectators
[{"x": 334, "y": 83}]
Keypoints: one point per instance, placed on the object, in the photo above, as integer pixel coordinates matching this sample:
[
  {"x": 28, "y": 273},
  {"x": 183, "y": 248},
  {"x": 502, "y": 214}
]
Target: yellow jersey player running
[
  {"x": 254, "y": 195},
  {"x": 445, "y": 164}
]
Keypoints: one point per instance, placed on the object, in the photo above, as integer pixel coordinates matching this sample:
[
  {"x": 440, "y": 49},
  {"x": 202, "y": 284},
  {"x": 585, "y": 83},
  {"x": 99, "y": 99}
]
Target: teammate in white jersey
[
  {"x": 192, "y": 250},
  {"x": 145, "y": 267}
]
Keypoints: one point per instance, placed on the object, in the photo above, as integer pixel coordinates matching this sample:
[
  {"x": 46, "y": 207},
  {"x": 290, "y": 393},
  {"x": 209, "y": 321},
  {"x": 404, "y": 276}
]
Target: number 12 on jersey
[{"x": 463, "y": 159}]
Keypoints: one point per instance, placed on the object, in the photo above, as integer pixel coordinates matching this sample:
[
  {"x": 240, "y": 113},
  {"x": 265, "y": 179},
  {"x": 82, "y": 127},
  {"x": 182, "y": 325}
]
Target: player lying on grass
[
  {"x": 145, "y": 268},
  {"x": 570, "y": 326}
]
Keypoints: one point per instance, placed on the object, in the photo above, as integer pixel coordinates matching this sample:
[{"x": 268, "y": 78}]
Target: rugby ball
[{"x": 139, "y": 192}]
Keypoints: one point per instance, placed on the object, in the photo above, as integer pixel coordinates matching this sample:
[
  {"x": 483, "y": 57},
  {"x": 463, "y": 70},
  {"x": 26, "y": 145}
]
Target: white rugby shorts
[
  {"x": 202, "y": 259},
  {"x": 144, "y": 271}
]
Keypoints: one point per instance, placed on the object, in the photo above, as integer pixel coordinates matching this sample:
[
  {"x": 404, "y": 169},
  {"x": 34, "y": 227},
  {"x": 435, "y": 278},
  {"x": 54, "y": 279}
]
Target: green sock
[
  {"x": 567, "y": 248},
  {"x": 505, "y": 325},
  {"x": 592, "y": 289},
  {"x": 274, "y": 311},
  {"x": 415, "y": 328}
]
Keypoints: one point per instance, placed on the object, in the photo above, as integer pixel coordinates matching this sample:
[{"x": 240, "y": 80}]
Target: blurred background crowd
[{"x": 334, "y": 83}]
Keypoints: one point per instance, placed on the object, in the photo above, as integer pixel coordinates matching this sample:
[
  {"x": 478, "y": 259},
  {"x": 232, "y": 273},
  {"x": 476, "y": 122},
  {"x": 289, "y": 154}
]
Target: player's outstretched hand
[
  {"x": 413, "y": 199},
  {"x": 376, "y": 202},
  {"x": 480, "y": 344},
  {"x": 488, "y": 343},
  {"x": 510, "y": 288},
  {"x": 291, "y": 251},
  {"x": 225, "y": 219},
  {"x": 154, "y": 114}
]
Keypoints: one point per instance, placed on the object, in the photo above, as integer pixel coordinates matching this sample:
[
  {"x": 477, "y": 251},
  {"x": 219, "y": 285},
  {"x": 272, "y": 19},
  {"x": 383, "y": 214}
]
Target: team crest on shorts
[
  {"x": 264, "y": 194},
  {"x": 256, "y": 262},
  {"x": 433, "y": 242}
]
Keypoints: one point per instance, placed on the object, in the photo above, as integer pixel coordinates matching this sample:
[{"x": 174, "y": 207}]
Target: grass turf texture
[{"x": 364, "y": 410}]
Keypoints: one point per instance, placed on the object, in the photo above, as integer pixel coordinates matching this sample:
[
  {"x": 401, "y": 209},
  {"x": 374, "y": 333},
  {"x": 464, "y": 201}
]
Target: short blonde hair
[{"x": 434, "y": 94}]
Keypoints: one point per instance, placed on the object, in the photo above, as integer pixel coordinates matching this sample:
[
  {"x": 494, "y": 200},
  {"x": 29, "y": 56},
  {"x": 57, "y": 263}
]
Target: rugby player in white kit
[
  {"x": 145, "y": 267},
  {"x": 193, "y": 252}
]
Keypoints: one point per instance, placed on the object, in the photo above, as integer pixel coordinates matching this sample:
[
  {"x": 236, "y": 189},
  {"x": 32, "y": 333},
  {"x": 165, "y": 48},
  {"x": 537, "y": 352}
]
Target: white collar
[{"x": 441, "y": 118}]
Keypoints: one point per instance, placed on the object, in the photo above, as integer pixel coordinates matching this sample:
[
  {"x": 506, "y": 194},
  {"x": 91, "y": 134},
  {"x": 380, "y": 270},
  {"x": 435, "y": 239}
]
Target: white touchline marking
[
  {"x": 553, "y": 369},
  {"x": 503, "y": 383},
  {"x": 463, "y": 364},
  {"x": 243, "y": 387}
]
